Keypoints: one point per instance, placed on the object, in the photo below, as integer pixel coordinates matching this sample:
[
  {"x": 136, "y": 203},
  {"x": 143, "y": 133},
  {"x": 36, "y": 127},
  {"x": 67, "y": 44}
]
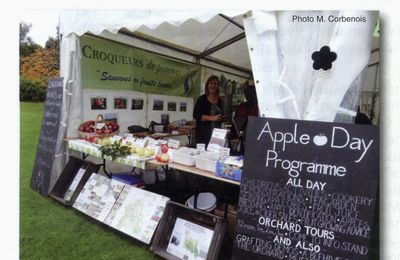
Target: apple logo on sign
[{"x": 320, "y": 140}]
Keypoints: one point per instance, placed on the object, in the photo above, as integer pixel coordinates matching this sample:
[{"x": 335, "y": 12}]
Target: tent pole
[
  {"x": 221, "y": 45},
  {"x": 232, "y": 21}
]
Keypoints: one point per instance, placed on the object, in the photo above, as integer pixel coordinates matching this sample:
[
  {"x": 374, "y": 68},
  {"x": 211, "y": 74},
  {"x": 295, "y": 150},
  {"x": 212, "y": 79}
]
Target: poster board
[
  {"x": 98, "y": 196},
  {"x": 137, "y": 213},
  {"x": 189, "y": 240},
  {"x": 308, "y": 190},
  {"x": 45, "y": 152}
]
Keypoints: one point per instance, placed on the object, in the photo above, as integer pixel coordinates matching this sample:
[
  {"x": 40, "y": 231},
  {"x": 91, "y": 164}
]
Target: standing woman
[{"x": 208, "y": 111}]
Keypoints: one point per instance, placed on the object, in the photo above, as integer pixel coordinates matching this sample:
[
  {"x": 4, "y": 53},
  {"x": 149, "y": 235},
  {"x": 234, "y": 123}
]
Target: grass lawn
[{"x": 48, "y": 230}]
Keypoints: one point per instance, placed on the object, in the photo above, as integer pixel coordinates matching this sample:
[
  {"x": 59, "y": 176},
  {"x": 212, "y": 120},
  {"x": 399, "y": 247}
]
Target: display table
[
  {"x": 189, "y": 134},
  {"x": 196, "y": 171},
  {"x": 92, "y": 149},
  {"x": 135, "y": 161},
  {"x": 140, "y": 162}
]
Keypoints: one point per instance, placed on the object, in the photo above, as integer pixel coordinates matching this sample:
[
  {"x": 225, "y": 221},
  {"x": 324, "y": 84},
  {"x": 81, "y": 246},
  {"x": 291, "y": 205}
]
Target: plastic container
[
  {"x": 184, "y": 156},
  {"x": 128, "y": 179},
  {"x": 207, "y": 161},
  {"x": 205, "y": 201},
  {"x": 228, "y": 171}
]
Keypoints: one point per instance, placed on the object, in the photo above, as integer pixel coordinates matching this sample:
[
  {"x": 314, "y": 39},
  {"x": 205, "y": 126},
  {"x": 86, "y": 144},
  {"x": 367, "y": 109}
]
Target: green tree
[{"x": 26, "y": 45}]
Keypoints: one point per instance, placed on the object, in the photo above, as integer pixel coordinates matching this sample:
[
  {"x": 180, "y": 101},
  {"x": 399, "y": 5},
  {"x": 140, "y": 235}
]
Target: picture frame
[
  {"x": 158, "y": 105},
  {"x": 171, "y": 106},
  {"x": 137, "y": 104},
  {"x": 182, "y": 106},
  {"x": 98, "y": 103},
  {"x": 120, "y": 103}
]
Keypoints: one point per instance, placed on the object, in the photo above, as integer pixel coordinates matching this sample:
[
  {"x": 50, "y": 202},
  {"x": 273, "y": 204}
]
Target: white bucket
[{"x": 205, "y": 201}]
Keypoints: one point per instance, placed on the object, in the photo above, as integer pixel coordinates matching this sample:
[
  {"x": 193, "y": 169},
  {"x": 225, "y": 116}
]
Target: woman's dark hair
[{"x": 212, "y": 77}]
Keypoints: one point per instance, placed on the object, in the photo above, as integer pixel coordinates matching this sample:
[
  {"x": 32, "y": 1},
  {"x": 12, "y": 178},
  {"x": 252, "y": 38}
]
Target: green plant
[
  {"x": 115, "y": 150},
  {"x": 30, "y": 90}
]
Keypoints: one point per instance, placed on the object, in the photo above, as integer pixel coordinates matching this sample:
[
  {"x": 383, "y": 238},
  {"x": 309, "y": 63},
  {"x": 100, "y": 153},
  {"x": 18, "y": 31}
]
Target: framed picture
[
  {"x": 137, "y": 104},
  {"x": 98, "y": 103},
  {"x": 182, "y": 106},
  {"x": 171, "y": 106},
  {"x": 158, "y": 105},
  {"x": 120, "y": 103}
]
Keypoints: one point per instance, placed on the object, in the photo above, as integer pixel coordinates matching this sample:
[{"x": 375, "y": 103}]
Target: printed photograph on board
[
  {"x": 182, "y": 106},
  {"x": 137, "y": 104},
  {"x": 189, "y": 240},
  {"x": 98, "y": 103},
  {"x": 171, "y": 106},
  {"x": 120, "y": 103},
  {"x": 158, "y": 105}
]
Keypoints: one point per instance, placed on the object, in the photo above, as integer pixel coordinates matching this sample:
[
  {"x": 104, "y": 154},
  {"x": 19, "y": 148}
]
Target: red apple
[{"x": 164, "y": 158}]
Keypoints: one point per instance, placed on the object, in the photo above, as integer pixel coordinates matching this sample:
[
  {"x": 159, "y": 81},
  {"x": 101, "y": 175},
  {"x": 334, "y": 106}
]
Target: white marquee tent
[{"x": 279, "y": 51}]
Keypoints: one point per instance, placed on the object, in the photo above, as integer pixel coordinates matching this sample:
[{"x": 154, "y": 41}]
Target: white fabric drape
[
  {"x": 71, "y": 112},
  {"x": 280, "y": 53}
]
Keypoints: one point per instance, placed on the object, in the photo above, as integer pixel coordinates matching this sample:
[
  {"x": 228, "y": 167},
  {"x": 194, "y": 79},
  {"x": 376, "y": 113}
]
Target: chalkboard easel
[{"x": 46, "y": 148}]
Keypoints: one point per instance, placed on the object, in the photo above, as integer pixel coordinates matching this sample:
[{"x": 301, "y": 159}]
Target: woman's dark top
[{"x": 204, "y": 128}]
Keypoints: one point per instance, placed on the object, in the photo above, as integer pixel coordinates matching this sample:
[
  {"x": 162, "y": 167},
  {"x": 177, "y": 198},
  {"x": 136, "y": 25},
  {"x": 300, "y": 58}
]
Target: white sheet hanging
[{"x": 288, "y": 86}]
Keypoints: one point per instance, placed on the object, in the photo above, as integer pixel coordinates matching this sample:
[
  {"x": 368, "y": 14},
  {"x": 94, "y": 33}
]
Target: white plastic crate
[
  {"x": 184, "y": 156},
  {"x": 207, "y": 161}
]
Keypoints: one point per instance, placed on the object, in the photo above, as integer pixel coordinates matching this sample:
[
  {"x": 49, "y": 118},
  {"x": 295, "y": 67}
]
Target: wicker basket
[{"x": 99, "y": 119}]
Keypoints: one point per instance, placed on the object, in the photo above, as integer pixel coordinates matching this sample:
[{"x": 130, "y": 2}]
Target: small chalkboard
[
  {"x": 308, "y": 190},
  {"x": 45, "y": 151}
]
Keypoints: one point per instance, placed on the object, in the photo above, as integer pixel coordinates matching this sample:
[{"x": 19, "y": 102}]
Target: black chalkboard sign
[
  {"x": 308, "y": 190},
  {"x": 45, "y": 151}
]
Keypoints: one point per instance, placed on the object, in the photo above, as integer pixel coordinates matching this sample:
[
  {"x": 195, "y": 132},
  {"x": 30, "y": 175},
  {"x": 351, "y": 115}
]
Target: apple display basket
[{"x": 97, "y": 132}]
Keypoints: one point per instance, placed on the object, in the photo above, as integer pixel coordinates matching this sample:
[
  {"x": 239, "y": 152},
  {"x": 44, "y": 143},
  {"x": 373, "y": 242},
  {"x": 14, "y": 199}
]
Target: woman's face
[{"x": 213, "y": 86}]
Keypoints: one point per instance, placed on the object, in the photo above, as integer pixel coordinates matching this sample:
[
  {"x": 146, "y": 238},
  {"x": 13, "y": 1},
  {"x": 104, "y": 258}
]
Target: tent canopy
[
  {"x": 216, "y": 35},
  {"x": 280, "y": 56}
]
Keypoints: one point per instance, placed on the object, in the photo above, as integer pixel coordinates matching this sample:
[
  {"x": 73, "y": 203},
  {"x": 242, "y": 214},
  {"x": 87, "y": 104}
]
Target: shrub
[{"x": 34, "y": 91}]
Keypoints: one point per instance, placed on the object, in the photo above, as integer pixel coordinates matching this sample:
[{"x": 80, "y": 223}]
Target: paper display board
[
  {"x": 45, "y": 151},
  {"x": 308, "y": 190},
  {"x": 137, "y": 213},
  {"x": 74, "y": 184},
  {"x": 189, "y": 241},
  {"x": 98, "y": 196},
  {"x": 218, "y": 140}
]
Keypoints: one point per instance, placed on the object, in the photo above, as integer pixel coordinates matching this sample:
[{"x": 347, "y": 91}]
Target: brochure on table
[
  {"x": 189, "y": 240},
  {"x": 218, "y": 140},
  {"x": 137, "y": 213}
]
